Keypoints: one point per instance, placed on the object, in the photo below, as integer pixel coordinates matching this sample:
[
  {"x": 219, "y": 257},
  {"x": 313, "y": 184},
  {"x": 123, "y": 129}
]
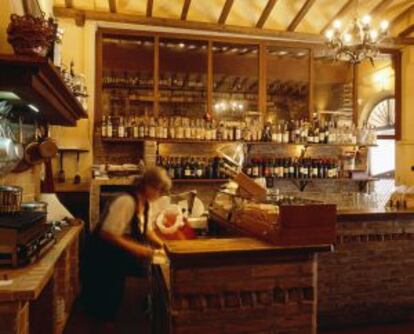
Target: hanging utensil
[
  {"x": 25, "y": 163},
  {"x": 61, "y": 173},
  {"x": 48, "y": 185},
  {"x": 77, "y": 178}
]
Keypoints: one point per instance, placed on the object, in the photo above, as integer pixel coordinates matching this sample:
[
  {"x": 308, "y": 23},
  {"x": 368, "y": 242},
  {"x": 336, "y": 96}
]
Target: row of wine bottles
[
  {"x": 293, "y": 168},
  {"x": 283, "y": 132},
  {"x": 287, "y": 168},
  {"x": 192, "y": 167},
  {"x": 139, "y": 80}
]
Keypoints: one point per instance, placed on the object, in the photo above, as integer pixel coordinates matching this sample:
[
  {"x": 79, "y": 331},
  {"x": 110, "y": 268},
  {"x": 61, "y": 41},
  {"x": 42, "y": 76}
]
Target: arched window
[
  {"x": 382, "y": 117},
  {"x": 382, "y": 157}
]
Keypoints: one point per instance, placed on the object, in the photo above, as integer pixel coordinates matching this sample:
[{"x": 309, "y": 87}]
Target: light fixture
[
  {"x": 223, "y": 106},
  {"x": 357, "y": 41},
  {"x": 33, "y": 107}
]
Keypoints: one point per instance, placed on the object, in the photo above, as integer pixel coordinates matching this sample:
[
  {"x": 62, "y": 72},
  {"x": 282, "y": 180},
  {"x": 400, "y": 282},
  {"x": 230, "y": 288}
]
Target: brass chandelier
[{"x": 358, "y": 41}]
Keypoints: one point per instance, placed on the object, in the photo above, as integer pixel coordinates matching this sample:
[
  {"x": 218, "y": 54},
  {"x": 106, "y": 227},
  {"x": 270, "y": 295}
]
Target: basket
[
  {"x": 31, "y": 35},
  {"x": 10, "y": 199}
]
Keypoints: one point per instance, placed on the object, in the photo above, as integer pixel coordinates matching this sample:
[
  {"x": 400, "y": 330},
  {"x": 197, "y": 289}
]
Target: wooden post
[
  {"x": 210, "y": 78},
  {"x": 156, "y": 110},
  {"x": 262, "y": 82}
]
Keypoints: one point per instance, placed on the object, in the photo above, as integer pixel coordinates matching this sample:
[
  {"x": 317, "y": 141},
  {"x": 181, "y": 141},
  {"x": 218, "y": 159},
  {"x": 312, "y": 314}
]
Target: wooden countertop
[
  {"x": 374, "y": 214},
  {"x": 29, "y": 281},
  {"x": 224, "y": 251}
]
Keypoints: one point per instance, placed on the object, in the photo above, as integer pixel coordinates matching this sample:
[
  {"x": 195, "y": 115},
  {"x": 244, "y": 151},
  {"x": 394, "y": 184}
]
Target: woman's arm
[
  {"x": 127, "y": 244},
  {"x": 155, "y": 239}
]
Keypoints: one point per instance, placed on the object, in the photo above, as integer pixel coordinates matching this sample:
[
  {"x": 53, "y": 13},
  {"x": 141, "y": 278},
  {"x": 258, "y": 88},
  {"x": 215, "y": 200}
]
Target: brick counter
[
  {"x": 370, "y": 276},
  {"x": 238, "y": 285},
  {"x": 41, "y": 295}
]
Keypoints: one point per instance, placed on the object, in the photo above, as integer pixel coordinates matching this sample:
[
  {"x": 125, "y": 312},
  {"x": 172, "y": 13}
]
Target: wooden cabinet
[
  {"x": 182, "y": 81},
  {"x": 235, "y": 81}
]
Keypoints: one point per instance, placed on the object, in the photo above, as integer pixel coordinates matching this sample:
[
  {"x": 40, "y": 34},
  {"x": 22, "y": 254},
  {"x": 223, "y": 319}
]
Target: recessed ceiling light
[{"x": 34, "y": 108}]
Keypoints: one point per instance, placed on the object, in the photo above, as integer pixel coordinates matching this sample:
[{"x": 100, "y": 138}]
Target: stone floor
[{"x": 130, "y": 323}]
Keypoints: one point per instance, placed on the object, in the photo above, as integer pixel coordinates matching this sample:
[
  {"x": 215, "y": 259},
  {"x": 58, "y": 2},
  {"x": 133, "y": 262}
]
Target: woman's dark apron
[{"x": 105, "y": 268}]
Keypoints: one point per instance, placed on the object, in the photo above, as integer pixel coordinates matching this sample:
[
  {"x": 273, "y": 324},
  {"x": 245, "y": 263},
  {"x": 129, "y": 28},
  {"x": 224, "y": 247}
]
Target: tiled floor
[{"x": 130, "y": 323}]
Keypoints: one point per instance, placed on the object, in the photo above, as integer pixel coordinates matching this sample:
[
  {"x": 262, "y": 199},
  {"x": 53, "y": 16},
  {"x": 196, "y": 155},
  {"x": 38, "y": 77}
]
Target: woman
[{"x": 120, "y": 245}]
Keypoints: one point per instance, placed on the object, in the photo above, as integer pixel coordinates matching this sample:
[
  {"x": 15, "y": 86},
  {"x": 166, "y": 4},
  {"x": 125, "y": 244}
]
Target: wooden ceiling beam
[
  {"x": 112, "y": 6},
  {"x": 301, "y": 14},
  {"x": 287, "y": 36},
  {"x": 266, "y": 13},
  {"x": 402, "y": 16},
  {"x": 225, "y": 11},
  {"x": 68, "y": 3},
  {"x": 378, "y": 9},
  {"x": 186, "y": 8},
  {"x": 342, "y": 12},
  {"x": 150, "y": 6},
  {"x": 403, "y": 40},
  {"x": 407, "y": 31}
]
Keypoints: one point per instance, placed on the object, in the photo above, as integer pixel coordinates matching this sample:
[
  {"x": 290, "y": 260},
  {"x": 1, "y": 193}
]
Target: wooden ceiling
[{"x": 299, "y": 19}]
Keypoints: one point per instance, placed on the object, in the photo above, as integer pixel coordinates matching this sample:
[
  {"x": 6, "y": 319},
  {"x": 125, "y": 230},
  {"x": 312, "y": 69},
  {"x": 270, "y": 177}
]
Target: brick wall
[
  {"x": 278, "y": 298},
  {"x": 370, "y": 276},
  {"x": 115, "y": 153}
]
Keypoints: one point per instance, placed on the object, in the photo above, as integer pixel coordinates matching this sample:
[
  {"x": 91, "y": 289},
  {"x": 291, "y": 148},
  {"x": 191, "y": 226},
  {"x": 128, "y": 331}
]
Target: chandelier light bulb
[
  {"x": 384, "y": 25},
  {"x": 366, "y": 20},
  {"x": 374, "y": 35},
  {"x": 347, "y": 38},
  {"x": 337, "y": 24},
  {"x": 329, "y": 34}
]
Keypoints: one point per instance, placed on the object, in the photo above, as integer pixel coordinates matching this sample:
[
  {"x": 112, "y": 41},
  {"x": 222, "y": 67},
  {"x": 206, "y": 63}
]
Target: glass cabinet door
[
  {"x": 128, "y": 78},
  {"x": 287, "y": 83},
  {"x": 235, "y": 81},
  {"x": 333, "y": 89},
  {"x": 183, "y": 78}
]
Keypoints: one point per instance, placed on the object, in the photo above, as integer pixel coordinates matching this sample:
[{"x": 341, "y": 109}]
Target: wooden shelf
[
  {"x": 200, "y": 141},
  {"x": 185, "y": 181},
  {"x": 128, "y": 87},
  {"x": 73, "y": 150},
  {"x": 340, "y": 179},
  {"x": 302, "y": 183},
  {"x": 145, "y": 98},
  {"x": 36, "y": 81},
  {"x": 83, "y": 187}
]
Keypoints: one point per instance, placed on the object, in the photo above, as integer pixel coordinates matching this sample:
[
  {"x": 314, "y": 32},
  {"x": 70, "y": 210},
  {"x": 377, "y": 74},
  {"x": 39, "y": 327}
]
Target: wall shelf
[
  {"x": 200, "y": 141},
  {"x": 207, "y": 181},
  {"x": 301, "y": 184},
  {"x": 35, "y": 81}
]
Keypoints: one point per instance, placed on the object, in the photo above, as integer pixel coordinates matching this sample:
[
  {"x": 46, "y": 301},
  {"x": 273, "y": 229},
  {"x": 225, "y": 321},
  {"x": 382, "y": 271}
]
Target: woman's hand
[
  {"x": 155, "y": 240},
  {"x": 129, "y": 245},
  {"x": 159, "y": 257}
]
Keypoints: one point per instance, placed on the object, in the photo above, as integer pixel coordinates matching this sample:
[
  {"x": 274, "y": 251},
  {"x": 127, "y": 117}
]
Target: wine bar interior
[{"x": 206, "y": 167}]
